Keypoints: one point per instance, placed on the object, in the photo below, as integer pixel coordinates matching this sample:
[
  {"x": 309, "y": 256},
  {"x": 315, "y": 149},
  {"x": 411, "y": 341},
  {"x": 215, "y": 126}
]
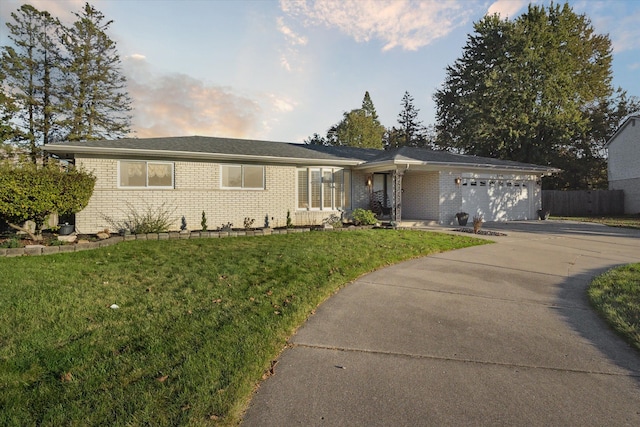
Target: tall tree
[
  {"x": 8, "y": 109},
  {"x": 358, "y": 128},
  {"x": 30, "y": 68},
  {"x": 96, "y": 95},
  {"x": 522, "y": 90},
  {"x": 410, "y": 131}
]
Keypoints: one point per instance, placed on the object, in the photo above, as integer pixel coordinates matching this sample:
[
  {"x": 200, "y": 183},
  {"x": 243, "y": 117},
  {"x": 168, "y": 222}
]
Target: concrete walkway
[{"x": 500, "y": 334}]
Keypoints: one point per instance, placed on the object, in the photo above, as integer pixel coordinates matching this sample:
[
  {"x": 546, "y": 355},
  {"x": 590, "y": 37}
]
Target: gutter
[
  {"x": 407, "y": 163},
  {"x": 190, "y": 155}
]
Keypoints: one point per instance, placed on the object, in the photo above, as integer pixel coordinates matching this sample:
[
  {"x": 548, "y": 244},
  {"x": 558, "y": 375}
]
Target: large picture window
[
  {"x": 324, "y": 188},
  {"x": 242, "y": 176},
  {"x": 145, "y": 174}
]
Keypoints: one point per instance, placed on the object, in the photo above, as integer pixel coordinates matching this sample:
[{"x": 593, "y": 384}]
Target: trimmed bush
[{"x": 364, "y": 217}]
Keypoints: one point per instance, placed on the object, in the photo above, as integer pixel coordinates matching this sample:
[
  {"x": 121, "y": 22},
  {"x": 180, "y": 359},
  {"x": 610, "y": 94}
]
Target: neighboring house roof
[
  {"x": 229, "y": 149},
  {"x": 624, "y": 124}
]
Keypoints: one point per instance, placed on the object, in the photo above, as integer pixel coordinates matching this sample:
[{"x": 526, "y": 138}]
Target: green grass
[
  {"x": 198, "y": 324},
  {"x": 629, "y": 221},
  {"x": 616, "y": 296}
]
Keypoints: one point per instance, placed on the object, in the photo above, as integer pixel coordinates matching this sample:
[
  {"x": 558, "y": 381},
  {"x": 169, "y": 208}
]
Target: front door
[{"x": 382, "y": 186}]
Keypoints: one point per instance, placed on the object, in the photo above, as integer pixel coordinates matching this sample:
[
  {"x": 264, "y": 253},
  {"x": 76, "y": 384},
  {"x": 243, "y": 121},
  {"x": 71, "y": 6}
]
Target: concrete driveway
[{"x": 500, "y": 334}]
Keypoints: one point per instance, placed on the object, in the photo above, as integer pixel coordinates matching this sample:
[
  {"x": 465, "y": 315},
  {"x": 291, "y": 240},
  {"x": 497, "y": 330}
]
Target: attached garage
[{"x": 499, "y": 199}]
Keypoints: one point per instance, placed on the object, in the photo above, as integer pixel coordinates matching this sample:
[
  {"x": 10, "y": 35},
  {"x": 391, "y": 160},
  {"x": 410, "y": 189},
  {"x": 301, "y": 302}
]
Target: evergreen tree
[
  {"x": 368, "y": 108},
  {"x": 96, "y": 97},
  {"x": 316, "y": 139},
  {"x": 8, "y": 109},
  {"x": 30, "y": 69},
  {"x": 410, "y": 131}
]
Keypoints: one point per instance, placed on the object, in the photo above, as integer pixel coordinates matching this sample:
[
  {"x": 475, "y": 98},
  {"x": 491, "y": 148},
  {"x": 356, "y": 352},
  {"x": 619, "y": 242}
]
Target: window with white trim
[
  {"x": 324, "y": 188},
  {"x": 248, "y": 177},
  {"x": 145, "y": 174}
]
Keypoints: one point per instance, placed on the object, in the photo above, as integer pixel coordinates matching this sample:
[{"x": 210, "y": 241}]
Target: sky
[{"x": 284, "y": 70}]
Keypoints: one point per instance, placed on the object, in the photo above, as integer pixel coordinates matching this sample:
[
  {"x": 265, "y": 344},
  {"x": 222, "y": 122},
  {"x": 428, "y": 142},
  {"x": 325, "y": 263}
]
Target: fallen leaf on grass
[
  {"x": 162, "y": 378},
  {"x": 67, "y": 377}
]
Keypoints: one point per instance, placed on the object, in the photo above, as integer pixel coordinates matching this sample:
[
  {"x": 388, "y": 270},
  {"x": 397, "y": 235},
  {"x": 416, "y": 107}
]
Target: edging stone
[{"x": 78, "y": 247}]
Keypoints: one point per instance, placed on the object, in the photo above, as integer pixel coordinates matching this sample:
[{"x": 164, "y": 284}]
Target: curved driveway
[{"x": 500, "y": 334}]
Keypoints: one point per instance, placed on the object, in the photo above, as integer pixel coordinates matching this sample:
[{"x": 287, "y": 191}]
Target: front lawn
[
  {"x": 616, "y": 295},
  {"x": 193, "y": 328},
  {"x": 628, "y": 221}
]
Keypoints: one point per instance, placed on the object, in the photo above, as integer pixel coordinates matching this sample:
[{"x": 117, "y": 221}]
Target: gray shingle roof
[
  {"x": 214, "y": 146},
  {"x": 444, "y": 157},
  {"x": 205, "y": 145}
]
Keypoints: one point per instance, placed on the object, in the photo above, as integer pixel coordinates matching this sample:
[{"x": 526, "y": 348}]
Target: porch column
[{"x": 397, "y": 196}]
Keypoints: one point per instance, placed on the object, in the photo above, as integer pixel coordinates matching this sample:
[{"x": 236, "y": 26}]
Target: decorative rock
[{"x": 69, "y": 239}]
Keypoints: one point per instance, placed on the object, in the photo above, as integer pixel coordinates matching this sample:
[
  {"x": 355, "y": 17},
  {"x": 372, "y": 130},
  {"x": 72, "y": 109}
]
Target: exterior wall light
[{"x": 458, "y": 180}]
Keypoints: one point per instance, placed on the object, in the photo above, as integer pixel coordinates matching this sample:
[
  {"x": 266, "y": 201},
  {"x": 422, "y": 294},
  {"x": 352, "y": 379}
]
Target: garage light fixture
[{"x": 458, "y": 180}]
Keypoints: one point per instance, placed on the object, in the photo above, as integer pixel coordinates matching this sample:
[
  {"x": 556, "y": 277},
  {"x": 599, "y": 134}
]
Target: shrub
[
  {"x": 364, "y": 217},
  {"x": 29, "y": 192},
  {"x": 289, "y": 222},
  {"x": 203, "y": 223},
  {"x": 150, "y": 220},
  {"x": 248, "y": 223},
  {"x": 10, "y": 243},
  {"x": 226, "y": 227},
  {"x": 334, "y": 220}
]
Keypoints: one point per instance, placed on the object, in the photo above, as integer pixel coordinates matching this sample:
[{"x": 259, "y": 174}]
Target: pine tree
[
  {"x": 30, "y": 69},
  {"x": 96, "y": 97},
  {"x": 8, "y": 110},
  {"x": 410, "y": 131}
]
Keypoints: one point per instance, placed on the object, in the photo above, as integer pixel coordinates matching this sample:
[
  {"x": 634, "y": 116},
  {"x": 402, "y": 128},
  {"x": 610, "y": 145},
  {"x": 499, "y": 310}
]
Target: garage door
[{"x": 496, "y": 200}]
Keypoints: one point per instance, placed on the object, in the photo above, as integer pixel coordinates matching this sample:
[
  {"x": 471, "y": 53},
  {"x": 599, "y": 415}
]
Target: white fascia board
[
  {"x": 188, "y": 155},
  {"x": 416, "y": 164}
]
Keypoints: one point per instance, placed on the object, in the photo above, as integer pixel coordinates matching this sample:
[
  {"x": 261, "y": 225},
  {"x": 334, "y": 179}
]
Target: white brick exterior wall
[
  {"x": 427, "y": 195},
  {"x": 197, "y": 188},
  {"x": 624, "y": 164},
  {"x": 421, "y": 196}
]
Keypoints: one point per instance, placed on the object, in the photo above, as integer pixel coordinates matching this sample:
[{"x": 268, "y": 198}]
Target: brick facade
[{"x": 197, "y": 189}]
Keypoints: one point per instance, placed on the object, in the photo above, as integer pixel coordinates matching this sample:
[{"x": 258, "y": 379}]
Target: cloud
[
  {"x": 289, "y": 34},
  {"x": 625, "y": 34},
  {"x": 408, "y": 24},
  {"x": 177, "y": 104},
  {"x": 507, "y": 8}
]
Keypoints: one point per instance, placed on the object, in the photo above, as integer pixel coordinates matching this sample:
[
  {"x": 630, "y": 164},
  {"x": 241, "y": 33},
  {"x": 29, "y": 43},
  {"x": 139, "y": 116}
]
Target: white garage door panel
[{"x": 496, "y": 202}]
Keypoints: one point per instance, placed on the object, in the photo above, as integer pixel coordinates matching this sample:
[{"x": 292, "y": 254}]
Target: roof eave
[
  {"x": 189, "y": 155},
  {"x": 392, "y": 164}
]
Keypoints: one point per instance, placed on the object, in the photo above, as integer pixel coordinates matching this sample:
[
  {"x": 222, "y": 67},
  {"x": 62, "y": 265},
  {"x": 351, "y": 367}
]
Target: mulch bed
[{"x": 482, "y": 232}]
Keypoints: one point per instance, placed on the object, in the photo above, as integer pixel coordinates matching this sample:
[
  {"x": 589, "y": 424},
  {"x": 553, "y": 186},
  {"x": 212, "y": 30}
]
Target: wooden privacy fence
[{"x": 583, "y": 202}]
